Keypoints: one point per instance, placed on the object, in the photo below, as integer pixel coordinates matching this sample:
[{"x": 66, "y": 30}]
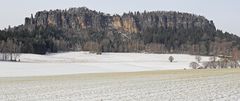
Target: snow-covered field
[
  {"x": 84, "y": 62},
  {"x": 112, "y": 77},
  {"x": 175, "y": 85}
]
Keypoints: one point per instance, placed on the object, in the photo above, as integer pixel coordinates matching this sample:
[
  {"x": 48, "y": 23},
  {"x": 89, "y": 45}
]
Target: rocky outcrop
[{"x": 78, "y": 19}]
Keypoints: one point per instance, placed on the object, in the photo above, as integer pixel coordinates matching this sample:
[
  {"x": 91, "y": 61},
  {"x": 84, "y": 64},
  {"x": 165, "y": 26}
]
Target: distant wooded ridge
[{"x": 81, "y": 29}]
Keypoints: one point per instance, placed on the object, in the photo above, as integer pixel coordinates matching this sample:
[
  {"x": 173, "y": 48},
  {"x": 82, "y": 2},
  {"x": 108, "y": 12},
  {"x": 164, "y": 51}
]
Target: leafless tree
[
  {"x": 233, "y": 64},
  {"x": 155, "y": 48},
  {"x": 9, "y": 50},
  {"x": 235, "y": 58},
  {"x": 17, "y": 51},
  {"x": 198, "y": 58},
  {"x": 223, "y": 63},
  {"x": 61, "y": 44},
  {"x": 2, "y": 43},
  {"x": 213, "y": 58},
  {"x": 92, "y": 47}
]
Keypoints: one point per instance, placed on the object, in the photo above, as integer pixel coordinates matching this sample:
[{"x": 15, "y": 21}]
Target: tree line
[
  {"x": 44, "y": 40},
  {"x": 218, "y": 61},
  {"x": 10, "y": 50}
]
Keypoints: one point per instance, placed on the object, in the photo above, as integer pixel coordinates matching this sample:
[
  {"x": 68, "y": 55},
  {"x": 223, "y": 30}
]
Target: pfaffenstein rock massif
[
  {"x": 82, "y": 29},
  {"x": 79, "y": 19}
]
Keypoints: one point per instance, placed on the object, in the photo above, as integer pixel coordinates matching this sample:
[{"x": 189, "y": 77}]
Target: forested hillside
[{"x": 78, "y": 29}]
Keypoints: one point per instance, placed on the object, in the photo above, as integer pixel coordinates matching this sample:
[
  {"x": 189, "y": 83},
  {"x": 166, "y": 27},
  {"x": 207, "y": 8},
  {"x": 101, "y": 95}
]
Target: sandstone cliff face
[
  {"x": 78, "y": 19},
  {"x": 117, "y": 22}
]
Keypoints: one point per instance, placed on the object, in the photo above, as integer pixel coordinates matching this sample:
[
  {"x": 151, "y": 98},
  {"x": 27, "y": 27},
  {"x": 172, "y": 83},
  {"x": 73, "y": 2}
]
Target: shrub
[
  {"x": 171, "y": 58},
  {"x": 194, "y": 65}
]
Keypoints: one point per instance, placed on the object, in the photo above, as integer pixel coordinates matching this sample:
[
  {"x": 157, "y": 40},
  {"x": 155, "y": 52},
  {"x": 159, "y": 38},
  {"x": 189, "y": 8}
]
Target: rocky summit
[{"x": 78, "y": 19}]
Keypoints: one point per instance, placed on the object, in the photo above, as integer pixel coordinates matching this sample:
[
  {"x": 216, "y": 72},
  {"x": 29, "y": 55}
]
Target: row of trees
[
  {"x": 215, "y": 65},
  {"x": 220, "y": 61},
  {"x": 10, "y": 50}
]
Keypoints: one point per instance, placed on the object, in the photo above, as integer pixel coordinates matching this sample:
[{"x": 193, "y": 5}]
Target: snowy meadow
[
  {"x": 85, "y": 62},
  {"x": 81, "y": 76},
  {"x": 174, "y": 85}
]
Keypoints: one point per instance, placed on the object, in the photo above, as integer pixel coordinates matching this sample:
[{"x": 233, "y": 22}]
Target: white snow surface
[
  {"x": 122, "y": 88},
  {"x": 85, "y": 62}
]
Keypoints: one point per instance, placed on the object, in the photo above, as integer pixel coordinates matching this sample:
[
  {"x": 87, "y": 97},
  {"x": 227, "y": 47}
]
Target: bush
[
  {"x": 171, "y": 58},
  {"x": 194, "y": 65}
]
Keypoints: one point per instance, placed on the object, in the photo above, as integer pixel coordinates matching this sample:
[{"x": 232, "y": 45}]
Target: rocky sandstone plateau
[{"x": 82, "y": 18}]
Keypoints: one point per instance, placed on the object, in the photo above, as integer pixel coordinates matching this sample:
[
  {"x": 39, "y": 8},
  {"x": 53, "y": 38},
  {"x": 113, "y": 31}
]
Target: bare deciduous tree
[
  {"x": 235, "y": 58},
  {"x": 155, "y": 48},
  {"x": 10, "y": 50},
  {"x": 92, "y": 47},
  {"x": 198, "y": 58}
]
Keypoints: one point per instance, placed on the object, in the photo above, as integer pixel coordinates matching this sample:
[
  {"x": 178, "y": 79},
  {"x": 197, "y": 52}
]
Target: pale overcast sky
[{"x": 224, "y": 13}]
